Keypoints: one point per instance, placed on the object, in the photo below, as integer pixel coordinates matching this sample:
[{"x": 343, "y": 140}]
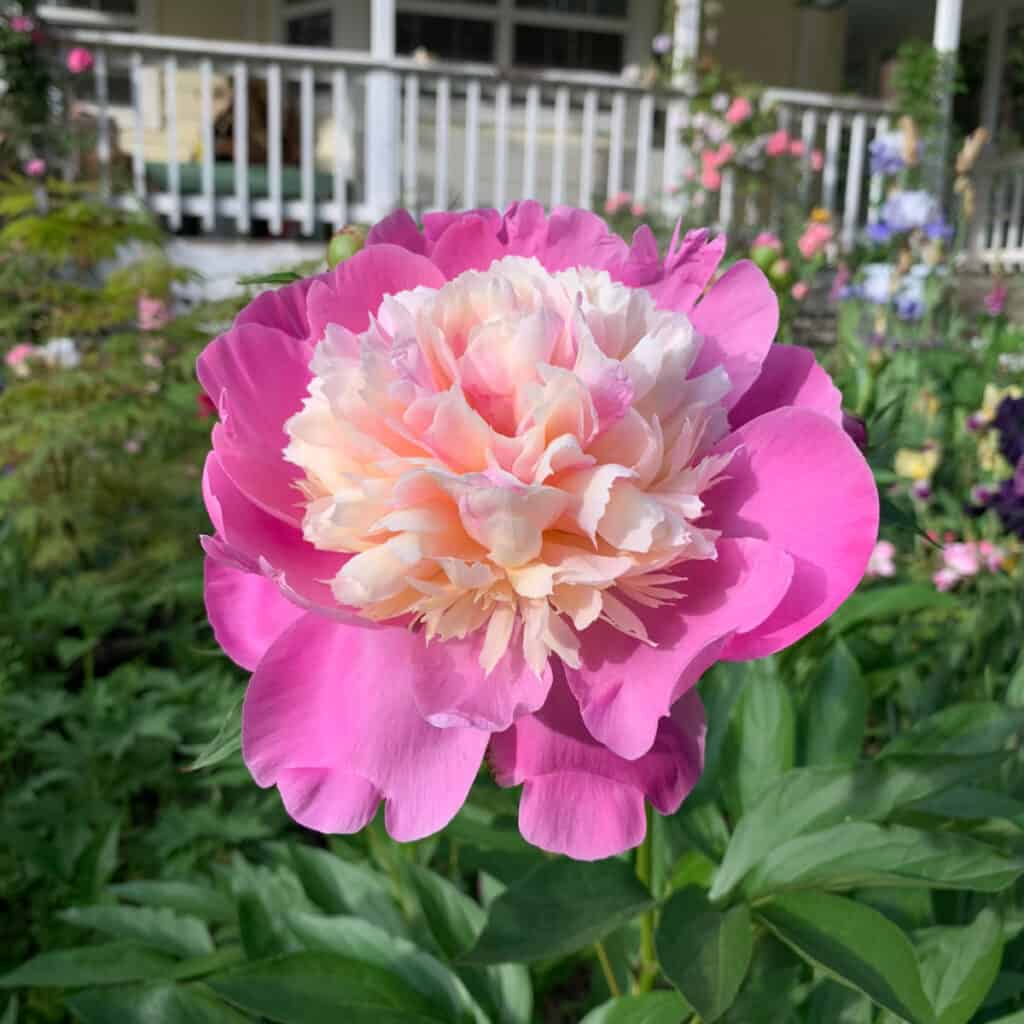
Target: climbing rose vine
[{"x": 505, "y": 487}]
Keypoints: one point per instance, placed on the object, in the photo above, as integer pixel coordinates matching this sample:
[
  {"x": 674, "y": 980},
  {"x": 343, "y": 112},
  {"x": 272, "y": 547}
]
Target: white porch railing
[
  {"x": 998, "y": 229},
  {"x": 307, "y": 123}
]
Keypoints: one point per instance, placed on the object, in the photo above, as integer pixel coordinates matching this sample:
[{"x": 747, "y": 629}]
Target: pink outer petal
[
  {"x": 352, "y": 294},
  {"x": 270, "y": 546},
  {"x": 257, "y": 377},
  {"x": 688, "y": 268},
  {"x": 790, "y": 375},
  {"x": 330, "y": 720},
  {"x": 625, "y": 687},
  {"x": 457, "y": 693},
  {"x": 281, "y": 308},
  {"x": 579, "y": 798},
  {"x": 470, "y": 243},
  {"x": 398, "y": 228},
  {"x": 738, "y": 319},
  {"x": 578, "y": 238},
  {"x": 798, "y": 482},
  {"x": 247, "y": 612}
]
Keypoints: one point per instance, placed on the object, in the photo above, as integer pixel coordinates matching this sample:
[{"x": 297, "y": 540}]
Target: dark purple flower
[
  {"x": 1009, "y": 422},
  {"x": 857, "y": 430}
]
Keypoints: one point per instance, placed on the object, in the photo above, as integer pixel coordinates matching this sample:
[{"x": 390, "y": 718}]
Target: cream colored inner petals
[{"x": 514, "y": 453}]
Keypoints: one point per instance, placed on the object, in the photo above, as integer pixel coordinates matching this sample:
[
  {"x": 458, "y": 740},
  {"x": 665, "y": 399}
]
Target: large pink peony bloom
[{"x": 509, "y": 486}]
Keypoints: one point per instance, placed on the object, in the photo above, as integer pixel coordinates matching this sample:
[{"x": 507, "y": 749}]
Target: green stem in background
[
  {"x": 606, "y": 969},
  {"x": 644, "y": 872}
]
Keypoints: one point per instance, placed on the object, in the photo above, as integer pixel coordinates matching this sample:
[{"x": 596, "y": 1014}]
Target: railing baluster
[
  {"x": 727, "y": 200},
  {"x": 615, "y": 141},
  {"x": 671, "y": 168},
  {"x": 208, "y": 155},
  {"x": 501, "y": 104},
  {"x": 240, "y": 131},
  {"x": 410, "y": 141},
  {"x": 830, "y": 174},
  {"x": 102, "y": 119},
  {"x": 1013, "y": 238},
  {"x": 339, "y": 105},
  {"x": 854, "y": 179},
  {"x": 469, "y": 179},
  {"x": 274, "y": 133},
  {"x": 442, "y": 116},
  {"x": 530, "y": 148},
  {"x": 808, "y": 136},
  {"x": 1001, "y": 232},
  {"x": 644, "y": 129},
  {"x": 308, "y": 125},
  {"x": 586, "y": 199},
  {"x": 561, "y": 139},
  {"x": 876, "y": 190},
  {"x": 138, "y": 130},
  {"x": 173, "y": 170}
]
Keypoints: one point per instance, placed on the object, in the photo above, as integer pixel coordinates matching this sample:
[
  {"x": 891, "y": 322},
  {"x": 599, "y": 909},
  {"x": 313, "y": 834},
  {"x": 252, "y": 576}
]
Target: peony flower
[
  {"x": 799, "y": 290},
  {"x": 777, "y": 144},
  {"x": 739, "y": 110},
  {"x": 508, "y": 486},
  {"x": 36, "y": 167},
  {"x": 814, "y": 239},
  {"x": 153, "y": 314},
  {"x": 79, "y": 60},
  {"x": 882, "y": 560}
]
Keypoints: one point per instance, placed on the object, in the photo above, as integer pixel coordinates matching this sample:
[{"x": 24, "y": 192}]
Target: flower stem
[
  {"x": 606, "y": 969},
  {"x": 644, "y": 872}
]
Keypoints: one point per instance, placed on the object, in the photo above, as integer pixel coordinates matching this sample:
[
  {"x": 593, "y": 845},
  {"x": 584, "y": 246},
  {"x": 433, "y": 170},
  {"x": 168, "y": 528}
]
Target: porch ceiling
[{"x": 884, "y": 20}]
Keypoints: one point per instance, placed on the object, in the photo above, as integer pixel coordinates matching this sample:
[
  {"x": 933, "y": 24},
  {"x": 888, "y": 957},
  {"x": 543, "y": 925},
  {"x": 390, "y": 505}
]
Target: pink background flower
[
  {"x": 79, "y": 60},
  {"x": 767, "y": 240},
  {"x": 36, "y": 167},
  {"x": 153, "y": 314},
  {"x": 883, "y": 560},
  {"x": 817, "y": 161},
  {"x": 799, "y": 291},
  {"x": 796, "y": 147},
  {"x": 581, "y": 472},
  {"x": 21, "y": 23},
  {"x": 739, "y": 110}
]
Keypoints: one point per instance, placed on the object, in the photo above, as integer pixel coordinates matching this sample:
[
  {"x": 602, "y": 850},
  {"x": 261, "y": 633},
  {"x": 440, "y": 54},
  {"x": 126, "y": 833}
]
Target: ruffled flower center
[{"x": 513, "y": 453}]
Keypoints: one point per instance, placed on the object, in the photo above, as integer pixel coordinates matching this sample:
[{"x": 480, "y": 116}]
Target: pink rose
[
  {"x": 21, "y": 23},
  {"x": 153, "y": 314},
  {"x": 581, "y": 505},
  {"x": 17, "y": 359},
  {"x": 36, "y": 167},
  {"x": 814, "y": 239},
  {"x": 726, "y": 151},
  {"x": 882, "y": 561},
  {"x": 79, "y": 60},
  {"x": 767, "y": 240},
  {"x": 799, "y": 291},
  {"x": 739, "y": 110},
  {"x": 638, "y": 209},
  {"x": 778, "y": 143},
  {"x": 711, "y": 179},
  {"x": 817, "y": 161},
  {"x": 796, "y": 147}
]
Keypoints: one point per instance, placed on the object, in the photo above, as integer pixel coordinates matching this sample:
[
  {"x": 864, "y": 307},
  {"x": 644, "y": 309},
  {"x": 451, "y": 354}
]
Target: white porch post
[
  {"x": 946, "y": 40},
  {"x": 685, "y": 40},
  {"x": 381, "y": 164},
  {"x": 995, "y": 63}
]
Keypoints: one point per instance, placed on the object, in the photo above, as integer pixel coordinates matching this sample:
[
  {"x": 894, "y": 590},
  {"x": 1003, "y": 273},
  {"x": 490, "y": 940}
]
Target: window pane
[
  {"x": 446, "y": 38},
  {"x": 604, "y": 8},
  {"x": 311, "y": 30},
  {"x": 568, "y": 48}
]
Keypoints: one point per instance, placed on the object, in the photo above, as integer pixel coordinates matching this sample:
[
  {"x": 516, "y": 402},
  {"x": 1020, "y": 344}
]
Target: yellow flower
[
  {"x": 993, "y": 399},
  {"x": 917, "y": 465},
  {"x": 820, "y": 215},
  {"x": 927, "y": 404},
  {"x": 990, "y": 459}
]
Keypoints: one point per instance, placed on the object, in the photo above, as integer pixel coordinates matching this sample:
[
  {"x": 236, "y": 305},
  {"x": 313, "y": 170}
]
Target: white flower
[{"x": 60, "y": 353}]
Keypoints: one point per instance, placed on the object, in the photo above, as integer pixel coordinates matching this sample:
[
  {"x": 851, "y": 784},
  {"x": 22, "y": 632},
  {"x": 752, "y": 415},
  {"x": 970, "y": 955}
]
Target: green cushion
[{"x": 191, "y": 179}]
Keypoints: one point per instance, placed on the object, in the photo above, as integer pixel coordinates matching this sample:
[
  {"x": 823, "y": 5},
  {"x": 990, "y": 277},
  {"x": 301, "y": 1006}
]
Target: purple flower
[
  {"x": 887, "y": 154},
  {"x": 879, "y": 232},
  {"x": 661, "y": 43},
  {"x": 910, "y": 210},
  {"x": 995, "y": 300},
  {"x": 940, "y": 230}
]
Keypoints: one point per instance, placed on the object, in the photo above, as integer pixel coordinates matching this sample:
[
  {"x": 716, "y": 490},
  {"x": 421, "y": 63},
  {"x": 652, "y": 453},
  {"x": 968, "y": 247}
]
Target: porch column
[
  {"x": 382, "y": 115},
  {"x": 685, "y": 40},
  {"x": 946, "y": 40},
  {"x": 995, "y": 63}
]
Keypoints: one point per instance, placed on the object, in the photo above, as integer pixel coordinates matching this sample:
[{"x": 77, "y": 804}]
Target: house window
[
  {"x": 308, "y": 24},
  {"x": 581, "y": 34}
]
